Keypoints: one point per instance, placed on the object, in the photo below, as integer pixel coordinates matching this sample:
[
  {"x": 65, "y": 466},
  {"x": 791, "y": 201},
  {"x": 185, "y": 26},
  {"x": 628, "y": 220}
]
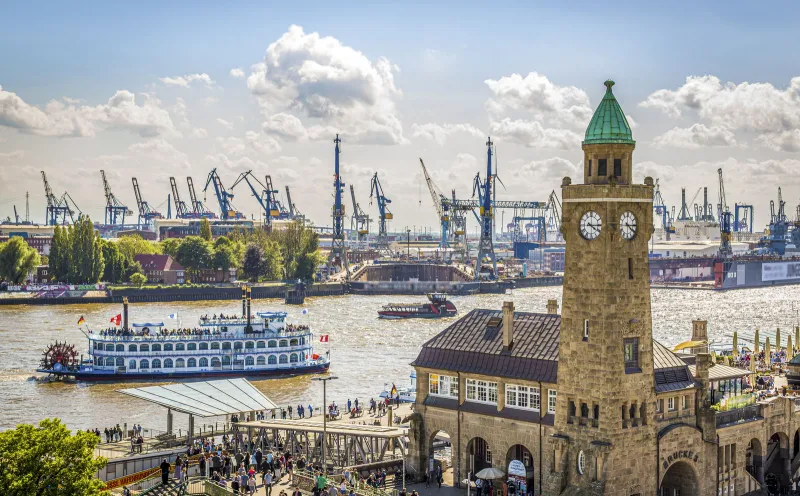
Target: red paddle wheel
[{"x": 59, "y": 356}]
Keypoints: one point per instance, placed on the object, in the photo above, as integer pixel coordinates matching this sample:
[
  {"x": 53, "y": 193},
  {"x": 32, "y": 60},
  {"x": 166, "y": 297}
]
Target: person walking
[
  {"x": 268, "y": 482},
  {"x": 164, "y": 472},
  {"x": 439, "y": 476},
  {"x": 179, "y": 468},
  {"x": 310, "y": 411},
  {"x": 427, "y": 477},
  {"x": 251, "y": 485}
]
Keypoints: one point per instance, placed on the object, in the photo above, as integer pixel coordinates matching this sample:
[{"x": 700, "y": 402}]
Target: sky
[{"x": 159, "y": 89}]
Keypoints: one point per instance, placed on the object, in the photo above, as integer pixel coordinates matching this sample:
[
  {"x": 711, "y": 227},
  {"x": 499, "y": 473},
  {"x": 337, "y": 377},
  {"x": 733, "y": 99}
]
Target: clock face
[
  {"x": 627, "y": 225},
  {"x": 591, "y": 225}
]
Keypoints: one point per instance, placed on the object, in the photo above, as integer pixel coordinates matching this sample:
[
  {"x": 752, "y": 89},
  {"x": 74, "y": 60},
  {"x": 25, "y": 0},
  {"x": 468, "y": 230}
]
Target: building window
[
  {"x": 617, "y": 167},
  {"x": 602, "y": 167},
  {"x": 659, "y": 406},
  {"x": 684, "y": 402},
  {"x": 586, "y": 329},
  {"x": 630, "y": 268},
  {"x": 590, "y": 167},
  {"x": 551, "y": 401},
  {"x": 482, "y": 391},
  {"x": 488, "y": 455},
  {"x": 522, "y": 397},
  {"x": 630, "y": 348},
  {"x": 671, "y": 404},
  {"x": 443, "y": 385}
]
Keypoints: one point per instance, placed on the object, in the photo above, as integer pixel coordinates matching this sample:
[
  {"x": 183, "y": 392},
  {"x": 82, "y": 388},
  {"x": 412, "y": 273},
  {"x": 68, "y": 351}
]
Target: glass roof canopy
[{"x": 205, "y": 399}]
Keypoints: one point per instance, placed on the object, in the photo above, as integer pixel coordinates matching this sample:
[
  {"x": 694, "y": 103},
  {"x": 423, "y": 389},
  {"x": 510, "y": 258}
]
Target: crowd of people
[{"x": 109, "y": 434}]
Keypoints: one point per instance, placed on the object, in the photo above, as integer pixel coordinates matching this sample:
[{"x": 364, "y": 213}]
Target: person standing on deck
[
  {"x": 164, "y": 471},
  {"x": 310, "y": 411}
]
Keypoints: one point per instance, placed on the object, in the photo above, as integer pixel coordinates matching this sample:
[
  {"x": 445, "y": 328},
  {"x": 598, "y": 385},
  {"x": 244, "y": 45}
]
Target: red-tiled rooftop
[{"x": 157, "y": 262}]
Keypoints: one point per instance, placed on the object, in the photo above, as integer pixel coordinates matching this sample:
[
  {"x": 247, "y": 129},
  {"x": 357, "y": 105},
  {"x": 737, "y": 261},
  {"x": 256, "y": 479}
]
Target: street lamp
[{"x": 324, "y": 415}]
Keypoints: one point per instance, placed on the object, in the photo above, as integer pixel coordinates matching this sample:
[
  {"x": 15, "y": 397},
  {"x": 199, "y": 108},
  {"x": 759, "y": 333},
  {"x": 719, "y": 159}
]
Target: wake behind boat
[
  {"x": 438, "y": 306},
  {"x": 219, "y": 346}
]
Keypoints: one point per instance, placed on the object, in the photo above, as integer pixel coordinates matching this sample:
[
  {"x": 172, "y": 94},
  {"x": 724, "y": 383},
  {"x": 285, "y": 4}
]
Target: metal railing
[
  {"x": 738, "y": 415},
  {"x": 189, "y": 353},
  {"x": 260, "y": 335}
]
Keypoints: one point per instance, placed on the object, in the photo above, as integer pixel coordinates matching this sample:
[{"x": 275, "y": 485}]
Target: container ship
[
  {"x": 741, "y": 273},
  {"x": 438, "y": 306},
  {"x": 264, "y": 344}
]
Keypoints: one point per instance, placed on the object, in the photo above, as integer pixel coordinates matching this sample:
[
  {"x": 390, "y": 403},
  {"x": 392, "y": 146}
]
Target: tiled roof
[
  {"x": 157, "y": 262},
  {"x": 718, "y": 372},
  {"x": 468, "y": 345}
]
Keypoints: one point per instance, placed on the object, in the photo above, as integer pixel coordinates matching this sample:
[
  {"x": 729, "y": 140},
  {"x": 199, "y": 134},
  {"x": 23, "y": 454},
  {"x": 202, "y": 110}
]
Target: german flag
[{"x": 81, "y": 320}]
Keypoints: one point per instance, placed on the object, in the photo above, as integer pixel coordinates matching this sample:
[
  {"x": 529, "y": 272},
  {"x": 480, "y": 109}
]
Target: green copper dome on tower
[{"x": 608, "y": 124}]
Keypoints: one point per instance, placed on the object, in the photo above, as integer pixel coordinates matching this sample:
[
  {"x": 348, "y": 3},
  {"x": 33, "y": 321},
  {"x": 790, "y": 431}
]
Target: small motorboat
[{"x": 438, "y": 306}]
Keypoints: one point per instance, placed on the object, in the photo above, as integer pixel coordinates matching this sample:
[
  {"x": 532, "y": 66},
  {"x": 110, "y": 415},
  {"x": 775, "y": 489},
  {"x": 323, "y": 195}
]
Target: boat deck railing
[{"x": 265, "y": 334}]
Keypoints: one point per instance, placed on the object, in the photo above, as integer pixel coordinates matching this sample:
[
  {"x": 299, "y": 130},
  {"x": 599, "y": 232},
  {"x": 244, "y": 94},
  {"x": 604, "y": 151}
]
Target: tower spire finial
[{"x": 609, "y": 83}]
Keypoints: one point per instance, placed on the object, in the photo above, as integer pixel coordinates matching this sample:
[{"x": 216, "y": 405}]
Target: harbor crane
[
  {"x": 554, "y": 215},
  {"x": 198, "y": 207},
  {"x": 55, "y": 210},
  {"x": 181, "y": 211},
  {"x": 146, "y": 213},
  {"x": 725, "y": 249},
  {"x": 743, "y": 222},
  {"x": 294, "y": 213},
  {"x": 223, "y": 197},
  {"x": 660, "y": 208},
  {"x": 376, "y": 191},
  {"x": 442, "y": 208},
  {"x": 484, "y": 190},
  {"x": 115, "y": 211},
  {"x": 338, "y": 253},
  {"x": 265, "y": 198},
  {"x": 271, "y": 194},
  {"x": 359, "y": 221},
  {"x": 775, "y": 240},
  {"x": 684, "y": 213}
]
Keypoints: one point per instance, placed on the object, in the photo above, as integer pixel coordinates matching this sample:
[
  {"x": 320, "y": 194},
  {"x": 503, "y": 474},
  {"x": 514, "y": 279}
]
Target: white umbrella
[
  {"x": 490, "y": 473},
  {"x": 468, "y": 482}
]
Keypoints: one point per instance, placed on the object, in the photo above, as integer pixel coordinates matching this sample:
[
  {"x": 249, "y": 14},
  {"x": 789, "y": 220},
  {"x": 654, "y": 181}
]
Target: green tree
[
  {"x": 47, "y": 460},
  {"x": 61, "y": 255},
  {"x": 205, "y": 229},
  {"x": 133, "y": 245},
  {"x": 138, "y": 279},
  {"x": 133, "y": 268},
  {"x": 273, "y": 261},
  {"x": 195, "y": 254},
  {"x": 170, "y": 246},
  {"x": 225, "y": 259},
  {"x": 116, "y": 266},
  {"x": 299, "y": 247},
  {"x": 17, "y": 260},
  {"x": 253, "y": 264}
]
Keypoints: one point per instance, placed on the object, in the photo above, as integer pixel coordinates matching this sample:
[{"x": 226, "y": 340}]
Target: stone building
[{"x": 586, "y": 402}]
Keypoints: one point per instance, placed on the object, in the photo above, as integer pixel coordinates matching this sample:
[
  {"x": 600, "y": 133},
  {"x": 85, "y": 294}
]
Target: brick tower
[{"x": 605, "y": 433}]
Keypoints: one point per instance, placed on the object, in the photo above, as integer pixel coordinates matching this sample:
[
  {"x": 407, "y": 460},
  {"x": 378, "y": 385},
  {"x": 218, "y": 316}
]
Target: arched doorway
[
  {"x": 479, "y": 455},
  {"x": 520, "y": 469},
  {"x": 777, "y": 460},
  {"x": 753, "y": 462},
  {"x": 679, "y": 480},
  {"x": 796, "y": 444},
  {"x": 441, "y": 459}
]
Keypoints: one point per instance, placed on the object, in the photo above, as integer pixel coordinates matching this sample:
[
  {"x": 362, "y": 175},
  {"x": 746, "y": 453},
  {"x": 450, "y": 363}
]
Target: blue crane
[
  {"x": 743, "y": 222},
  {"x": 115, "y": 211},
  {"x": 198, "y": 208},
  {"x": 146, "y": 213},
  {"x": 725, "y": 248},
  {"x": 338, "y": 254},
  {"x": 376, "y": 191},
  {"x": 223, "y": 197},
  {"x": 484, "y": 190},
  {"x": 181, "y": 210}
]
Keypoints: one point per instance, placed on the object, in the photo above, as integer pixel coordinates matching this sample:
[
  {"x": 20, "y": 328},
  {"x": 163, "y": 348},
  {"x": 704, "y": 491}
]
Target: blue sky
[{"x": 438, "y": 61}]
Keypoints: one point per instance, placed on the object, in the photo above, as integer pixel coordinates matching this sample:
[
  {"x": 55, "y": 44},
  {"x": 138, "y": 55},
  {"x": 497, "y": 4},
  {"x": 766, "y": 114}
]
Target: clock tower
[{"x": 604, "y": 441}]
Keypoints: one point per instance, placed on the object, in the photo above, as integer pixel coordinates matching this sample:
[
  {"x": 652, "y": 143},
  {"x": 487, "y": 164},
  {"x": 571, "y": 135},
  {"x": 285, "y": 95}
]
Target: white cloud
[
  {"x": 159, "y": 149},
  {"x": 787, "y": 141},
  {"x": 335, "y": 85},
  {"x": 62, "y": 119},
  {"x": 286, "y": 160},
  {"x": 533, "y": 135},
  {"x": 199, "y": 133},
  {"x": 227, "y": 125},
  {"x": 252, "y": 142},
  {"x": 237, "y": 72},
  {"x": 240, "y": 164},
  {"x": 187, "y": 80},
  {"x": 9, "y": 156},
  {"x": 552, "y": 169},
  {"x": 210, "y": 100},
  {"x": 536, "y": 94},
  {"x": 696, "y": 136},
  {"x": 440, "y": 132},
  {"x": 286, "y": 126}
]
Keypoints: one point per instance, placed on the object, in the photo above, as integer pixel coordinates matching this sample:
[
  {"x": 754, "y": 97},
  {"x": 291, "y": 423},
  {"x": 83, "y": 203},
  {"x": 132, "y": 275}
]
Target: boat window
[
  {"x": 168, "y": 363},
  {"x": 293, "y": 342},
  {"x": 272, "y": 360},
  {"x": 156, "y": 347},
  {"x": 226, "y": 345},
  {"x": 120, "y": 347},
  {"x": 249, "y": 345},
  {"x": 144, "y": 347},
  {"x": 156, "y": 363},
  {"x": 284, "y": 343},
  {"x": 293, "y": 358},
  {"x": 98, "y": 361},
  {"x": 302, "y": 341},
  {"x": 179, "y": 347},
  {"x": 109, "y": 362},
  {"x": 215, "y": 362},
  {"x": 261, "y": 344},
  {"x": 261, "y": 360},
  {"x": 203, "y": 346},
  {"x": 249, "y": 361},
  {"x": 214, "y": 346},
  {"x": 120, "y": 362},
  {"x": 191, "y": 363},
  {"x": 272, "y": 344},
  {"x": 226, "y": 360},
  {"x": 109, "y": 347},
  {"x": 167, "y": 347},
  {"x": 131, "y": 347},
  {"x": 237, "y": 345},
  {"x": 180, "y": 363},
  {"x": 191, "y": 346},
  {"x": 132, "y": 364},
  {"x": 144, "y": 364},
  {"x": 283, "y": 359},
  {"x": 204, "y": 362}
]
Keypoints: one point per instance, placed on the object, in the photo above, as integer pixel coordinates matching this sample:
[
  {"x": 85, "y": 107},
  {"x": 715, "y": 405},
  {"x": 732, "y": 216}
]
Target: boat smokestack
[
  {"x": 508, "y": 325},
  {"x": 244, "y": 300},
  {"x": 552, "y": 307},
  {"x": 124, "y": 313},
  {"x": 249, "y": 297}
]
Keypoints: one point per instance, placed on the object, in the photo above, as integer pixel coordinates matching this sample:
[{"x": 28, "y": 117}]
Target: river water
[{"x": 366, "y": 352}]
